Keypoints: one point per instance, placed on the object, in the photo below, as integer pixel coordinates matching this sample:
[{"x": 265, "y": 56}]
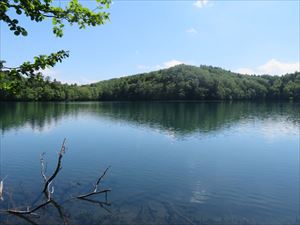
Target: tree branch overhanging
[
  {"x": 37, "y": 10},
  {"x": 41, "y": 62},
  {"x": 73, "y": 12}
]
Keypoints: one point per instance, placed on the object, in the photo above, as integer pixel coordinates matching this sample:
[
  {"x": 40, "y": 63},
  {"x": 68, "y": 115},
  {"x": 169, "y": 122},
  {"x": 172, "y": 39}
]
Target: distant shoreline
[
  {"x": 178, "y": 83},
  {"x": 158, "y": 101}
]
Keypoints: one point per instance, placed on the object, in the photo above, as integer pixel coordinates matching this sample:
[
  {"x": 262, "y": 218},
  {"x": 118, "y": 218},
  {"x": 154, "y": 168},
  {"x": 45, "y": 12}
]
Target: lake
[{"x": 171, "y": 162}]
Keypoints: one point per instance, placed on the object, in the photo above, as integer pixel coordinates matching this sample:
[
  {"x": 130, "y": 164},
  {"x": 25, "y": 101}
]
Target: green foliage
[
  {"x": 199, "y": 83},
  {"x": 177, "y": 83},
  {"x": 38, "y": 11}
]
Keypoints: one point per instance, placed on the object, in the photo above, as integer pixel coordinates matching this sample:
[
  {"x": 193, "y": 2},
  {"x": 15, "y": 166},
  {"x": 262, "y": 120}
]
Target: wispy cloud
[
  {"x": 172, "y": 63},
  {"x": 200, "y": 3},
  {"x": 192, "y": 30},
  {"x": 50, "y": 72},
  {"x": 272, "y": 67},
  {"x": 55, "y": 74},
  {"x": 164, "y": 65}
]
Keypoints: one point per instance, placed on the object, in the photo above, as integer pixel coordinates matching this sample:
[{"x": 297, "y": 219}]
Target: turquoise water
[{"x": 171, "y": 162}]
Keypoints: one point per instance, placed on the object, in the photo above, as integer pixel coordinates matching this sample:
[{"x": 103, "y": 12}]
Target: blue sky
[{"x": 244, "y": 36}]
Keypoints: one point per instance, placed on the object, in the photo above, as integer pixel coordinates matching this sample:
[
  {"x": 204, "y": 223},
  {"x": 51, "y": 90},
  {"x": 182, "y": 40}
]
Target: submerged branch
[
  {"x": 101, "y": 204},
  {"x": 60, "y": 211},
  {"x": 26, "y": 219}
]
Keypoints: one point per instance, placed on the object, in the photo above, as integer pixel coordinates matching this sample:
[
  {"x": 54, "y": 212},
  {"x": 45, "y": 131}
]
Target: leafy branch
[
  {"x": 29, "y": 69},
  {"x": 39, "y": 10}
]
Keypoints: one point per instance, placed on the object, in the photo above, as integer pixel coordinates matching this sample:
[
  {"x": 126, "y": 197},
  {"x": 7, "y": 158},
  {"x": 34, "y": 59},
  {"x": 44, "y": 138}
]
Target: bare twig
[
  {"x": 100, "y": 178},
  {"x": 48, "y": 189},
  {"x": 29, "y": 211},
  {"x": 95, "y": 191},
  {"x": 58, "y": 167},
  {"x": 43, "y": 167}
]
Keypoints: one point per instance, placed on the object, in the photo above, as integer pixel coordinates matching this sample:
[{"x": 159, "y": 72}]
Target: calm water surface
[{"x": 171, "y": 163}]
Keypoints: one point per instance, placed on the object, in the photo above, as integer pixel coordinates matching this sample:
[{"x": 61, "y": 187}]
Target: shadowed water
[{"x": 172, "y": 162}]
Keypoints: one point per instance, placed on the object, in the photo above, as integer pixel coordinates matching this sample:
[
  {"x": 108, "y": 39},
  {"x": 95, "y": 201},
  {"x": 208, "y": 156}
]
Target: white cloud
[
  {"x": 200, "y": 3},
  {"x": 172, "y": 63},
  {"x": 50, "y": 72},
  {"x": 272, "y": 67},
  {"x": 192, "y": 30},
  {"x": 55, "y": 74},
  {"x": 164, "y": 65}
]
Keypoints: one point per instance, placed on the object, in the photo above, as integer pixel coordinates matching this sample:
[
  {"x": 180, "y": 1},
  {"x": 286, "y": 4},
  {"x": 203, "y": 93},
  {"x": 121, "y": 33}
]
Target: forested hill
[
  {"x": 181, "y": 82},
  {"x": 184, "y": 82}
]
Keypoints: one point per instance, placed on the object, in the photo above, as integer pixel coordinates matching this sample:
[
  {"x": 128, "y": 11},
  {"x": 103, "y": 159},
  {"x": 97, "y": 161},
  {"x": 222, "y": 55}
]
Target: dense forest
[{"x": 181, "y": 82}]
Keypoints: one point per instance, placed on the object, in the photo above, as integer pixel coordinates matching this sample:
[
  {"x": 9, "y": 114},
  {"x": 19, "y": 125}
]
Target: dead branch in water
[
  {"x": 47, "y": 181},
  {"x": 95, "y": 191},
  {"x": 43, "y": 167},
  {"x": 100, "y": 178},
  {"x": 28, "y": 211},
  {"x": 58, "y": 167},
  {"x": 48, "y": 190}
]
